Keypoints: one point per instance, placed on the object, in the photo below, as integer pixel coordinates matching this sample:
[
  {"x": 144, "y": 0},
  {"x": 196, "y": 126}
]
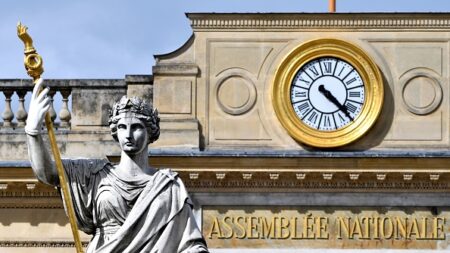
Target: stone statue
[{"x": 127, "y": 207}]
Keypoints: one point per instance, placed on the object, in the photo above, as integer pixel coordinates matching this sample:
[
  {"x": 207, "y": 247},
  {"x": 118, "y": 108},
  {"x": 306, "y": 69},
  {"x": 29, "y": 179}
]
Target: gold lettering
[
  {"x": 252, "y": 228},
  {"x": 383, "y": 233},
  {"x": 413, "y": 230},
  {"x": 366, "y": 223},
  {"x": 401, "y": 227},
  {"x": 241, "y": 226},
  {"x": 322, "y": 228},
  {"x": 441, "y": 228},
  {"x": 376, "y": 230},
  {"x": 215, "y": 229},
  {"x": 343, "y": 224},
  {"x": 308, "y": 223},
  {"x": 424, "y": 228},
  {"x": 404, "y": 227},
  {"x": 228, "y": 226},
  {"x": 438, "y": 227},
  {"x": 284, "y": 228},
  {"x": 356, "y": 229},
  {"x": 268, "y": 229},
  {"x": 294, "y": 228}
]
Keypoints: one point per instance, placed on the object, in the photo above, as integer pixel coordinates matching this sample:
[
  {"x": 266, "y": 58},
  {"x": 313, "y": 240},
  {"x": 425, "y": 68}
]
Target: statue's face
[{"x": 132, "y": 134}]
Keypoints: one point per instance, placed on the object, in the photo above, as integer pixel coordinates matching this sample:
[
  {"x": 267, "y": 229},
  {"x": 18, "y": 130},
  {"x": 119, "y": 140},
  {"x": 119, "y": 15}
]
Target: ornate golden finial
[{"x": 33, "y": 61}]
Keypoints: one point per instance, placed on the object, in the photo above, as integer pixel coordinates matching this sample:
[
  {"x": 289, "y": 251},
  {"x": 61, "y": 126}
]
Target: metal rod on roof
[{"x": 332, "y": 6}]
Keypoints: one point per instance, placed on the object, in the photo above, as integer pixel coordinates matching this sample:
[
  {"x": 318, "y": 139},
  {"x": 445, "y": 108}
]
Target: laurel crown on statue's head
[{"x": 137, "y": 108}]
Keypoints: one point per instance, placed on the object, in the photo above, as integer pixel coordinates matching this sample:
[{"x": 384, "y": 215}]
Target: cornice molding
[
  {"x": 314, "y": 181},
  {"x": 175, "y": 69},
  {"x": 15, "y": 194},
  {"x": 248, "y": 172},
  {"x": 40, "y": 244},
  {"x": 341, "y": 21}
]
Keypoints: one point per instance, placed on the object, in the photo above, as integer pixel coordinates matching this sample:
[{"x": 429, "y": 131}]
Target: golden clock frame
[{"x": 327, "y": 47}]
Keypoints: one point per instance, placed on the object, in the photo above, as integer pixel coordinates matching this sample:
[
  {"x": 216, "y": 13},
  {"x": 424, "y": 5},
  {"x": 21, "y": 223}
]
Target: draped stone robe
[{"x": 145, "y": 215}]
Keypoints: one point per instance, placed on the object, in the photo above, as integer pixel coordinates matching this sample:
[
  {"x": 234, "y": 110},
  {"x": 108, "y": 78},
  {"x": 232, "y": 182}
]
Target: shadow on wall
[
  {"x": 379, "y": 130},
  {"x": 34, "y": 217}
]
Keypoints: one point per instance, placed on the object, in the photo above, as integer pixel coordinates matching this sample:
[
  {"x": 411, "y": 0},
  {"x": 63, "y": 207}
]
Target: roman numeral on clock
[
  {"x": 304, "y": 106},
  {"x": 314, "y": 70},
  {"x": 340, "y": 72},
  {"x": 313, "y": 117},
  {"x": 305, "y": 81},
  {"x": 354, "y": 94},
  {"x": 341, "y": 118},
  {"x": 300, "y": 94},
  {"x": 327, "y": 67},
  {"x": 326, "y": 121},
  {"x": 350, "y": 81},
  {"x": 351, "y": 107}
]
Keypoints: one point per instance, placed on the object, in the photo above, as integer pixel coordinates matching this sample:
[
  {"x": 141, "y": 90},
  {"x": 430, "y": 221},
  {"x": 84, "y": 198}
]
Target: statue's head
[{"x": 138, "y": 108}]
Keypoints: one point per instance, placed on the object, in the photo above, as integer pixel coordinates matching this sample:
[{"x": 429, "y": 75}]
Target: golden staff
[{"x": 34, "y": 66}]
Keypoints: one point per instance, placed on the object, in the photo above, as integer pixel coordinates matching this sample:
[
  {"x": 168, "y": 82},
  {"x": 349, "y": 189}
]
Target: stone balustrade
[
  {"x": 80, "y": 111},
  {"x": 21, "y": 88}
]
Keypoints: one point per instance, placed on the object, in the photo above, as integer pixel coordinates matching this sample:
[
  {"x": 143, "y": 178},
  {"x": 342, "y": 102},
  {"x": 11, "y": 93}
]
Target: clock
[{"x": 327, "y": 93}]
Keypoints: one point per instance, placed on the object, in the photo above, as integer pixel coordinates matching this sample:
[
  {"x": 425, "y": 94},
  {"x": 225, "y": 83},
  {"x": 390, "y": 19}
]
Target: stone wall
[
  {"x": 219, "y": 130},
  {"x": 226, "y": 72}
]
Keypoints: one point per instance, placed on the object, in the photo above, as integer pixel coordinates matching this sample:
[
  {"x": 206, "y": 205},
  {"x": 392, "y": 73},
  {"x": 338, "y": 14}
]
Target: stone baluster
[
  {"x": 52, "y": 111},
  {"x": 64, "y": 114},
  {"x": 8, "y": 114},
  {"x": 21, "y": 114}
]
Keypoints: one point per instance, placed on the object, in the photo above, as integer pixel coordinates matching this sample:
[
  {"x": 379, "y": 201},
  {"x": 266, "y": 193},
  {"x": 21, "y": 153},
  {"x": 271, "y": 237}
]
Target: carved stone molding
[
  {"x": 23, "y": 193},
  {"x": 341, "y": 21},
  {"x": 274, "y": 180},
  {"x": 40, "y": 244},
  {"x": 247, "y": 172},
  {"x": 176, "y": 69},
  {"x": 283, "y": 181},
  {"x": 424, "y": 80},
  {"x": 227, "y": 84}
]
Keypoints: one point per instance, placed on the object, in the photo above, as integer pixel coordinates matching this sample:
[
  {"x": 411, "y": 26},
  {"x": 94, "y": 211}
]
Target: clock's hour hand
[{"x": 333, "y": 100}]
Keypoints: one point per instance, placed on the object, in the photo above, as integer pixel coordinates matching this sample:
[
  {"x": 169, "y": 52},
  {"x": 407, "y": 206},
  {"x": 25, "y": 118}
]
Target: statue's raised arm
[{"x": 41, "y": 163}]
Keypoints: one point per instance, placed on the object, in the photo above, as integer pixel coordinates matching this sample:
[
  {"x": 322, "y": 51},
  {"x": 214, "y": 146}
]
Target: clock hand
[{"x": 333, "y": 100}]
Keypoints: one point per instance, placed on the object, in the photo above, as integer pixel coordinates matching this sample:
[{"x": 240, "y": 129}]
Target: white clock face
[{"x": 327, "y": 94}]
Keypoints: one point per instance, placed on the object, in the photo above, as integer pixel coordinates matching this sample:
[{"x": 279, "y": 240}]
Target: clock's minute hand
[{"x": 333, "y": 100}]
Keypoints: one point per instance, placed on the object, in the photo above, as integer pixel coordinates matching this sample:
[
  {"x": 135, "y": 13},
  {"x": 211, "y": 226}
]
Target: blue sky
[{"x": 111, "y": 38}]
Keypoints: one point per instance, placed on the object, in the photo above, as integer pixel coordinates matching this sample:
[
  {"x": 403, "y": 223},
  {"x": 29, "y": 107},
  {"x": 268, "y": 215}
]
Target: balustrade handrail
[
  {"x": 91, "y": 98},
  {"x": 8, "y": 84}
]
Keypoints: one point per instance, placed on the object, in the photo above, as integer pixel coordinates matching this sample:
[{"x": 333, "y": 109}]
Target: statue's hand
[
  {"x": 39, "y": 105},
  {"x": 25, "y": 37}
]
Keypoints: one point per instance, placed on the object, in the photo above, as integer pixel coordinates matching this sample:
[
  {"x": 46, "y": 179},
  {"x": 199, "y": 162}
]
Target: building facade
[{"x": 263, "y": 176}]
